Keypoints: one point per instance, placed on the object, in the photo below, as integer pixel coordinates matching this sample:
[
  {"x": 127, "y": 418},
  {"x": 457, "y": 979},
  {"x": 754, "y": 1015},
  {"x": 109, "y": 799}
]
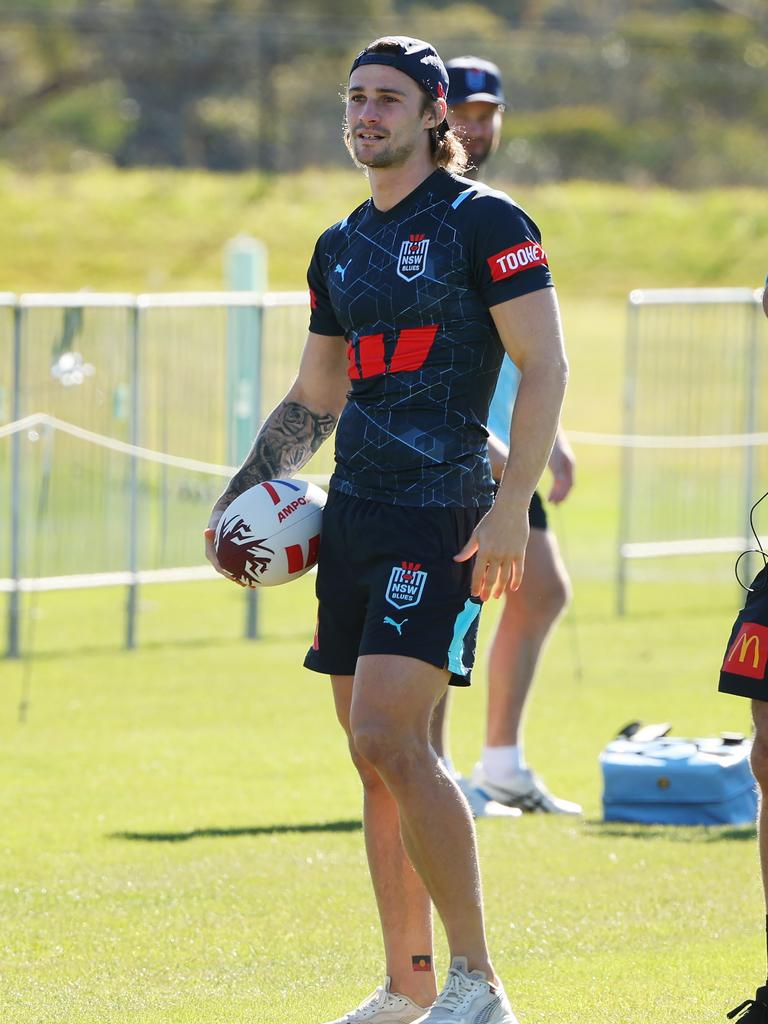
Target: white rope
[
  {"x": 44, "y": 420},
  {"x": 149, "y": 454},
  {"x": 88, "y": 580},
  {"x": 672, "y": 441}
]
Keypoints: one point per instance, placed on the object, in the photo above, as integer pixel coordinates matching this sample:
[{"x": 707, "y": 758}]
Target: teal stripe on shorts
[{"x": 464, "y": 620}]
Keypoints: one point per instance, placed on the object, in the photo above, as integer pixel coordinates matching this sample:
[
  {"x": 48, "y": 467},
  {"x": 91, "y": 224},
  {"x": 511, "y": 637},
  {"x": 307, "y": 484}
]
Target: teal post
[{"x": 245, "y": 270}]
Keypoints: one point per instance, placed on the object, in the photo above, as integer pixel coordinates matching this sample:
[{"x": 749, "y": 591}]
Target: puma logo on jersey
[
  {"x": 341, "y": 271},
  {"x": 398, "y": 625}
]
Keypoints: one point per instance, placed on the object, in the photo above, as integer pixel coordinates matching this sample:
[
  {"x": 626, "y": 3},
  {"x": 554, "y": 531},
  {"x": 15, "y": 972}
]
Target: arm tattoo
[{"x": 288, "y": 439}]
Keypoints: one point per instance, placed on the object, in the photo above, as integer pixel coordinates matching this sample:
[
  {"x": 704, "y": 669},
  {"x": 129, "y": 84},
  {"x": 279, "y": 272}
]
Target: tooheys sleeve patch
[{"x": 512, "y": 261}]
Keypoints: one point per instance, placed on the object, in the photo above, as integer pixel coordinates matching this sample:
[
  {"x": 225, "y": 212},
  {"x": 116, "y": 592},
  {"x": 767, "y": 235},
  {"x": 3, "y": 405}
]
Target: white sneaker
[
  {"x": 469, "y": 998},
  {"x": 525, "y": 791},
  {"x": 383, "y": 1007},
  {"x": 481, "y": 804}
]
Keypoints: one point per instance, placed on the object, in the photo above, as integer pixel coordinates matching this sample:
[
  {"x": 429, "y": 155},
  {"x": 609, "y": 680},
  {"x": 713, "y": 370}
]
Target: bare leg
[
  {"x": 405, "y": 909},
  {"x": 526, "y": 620},
  {"x": 760, "y": 769},
  {"x": 438, "y": 727},
  {"x": 392, "y": 703}
]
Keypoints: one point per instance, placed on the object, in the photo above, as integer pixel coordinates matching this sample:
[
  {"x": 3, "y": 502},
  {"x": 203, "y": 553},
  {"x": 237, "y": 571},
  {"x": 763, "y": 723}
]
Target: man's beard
[
  {"x": 386, "y": 157},
  {"x": 478, "y": 158}
]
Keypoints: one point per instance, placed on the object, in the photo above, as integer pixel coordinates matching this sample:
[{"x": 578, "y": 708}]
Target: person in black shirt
[
  {"x": 744, "y": 673},
  {"x": 415, "y": 297}
]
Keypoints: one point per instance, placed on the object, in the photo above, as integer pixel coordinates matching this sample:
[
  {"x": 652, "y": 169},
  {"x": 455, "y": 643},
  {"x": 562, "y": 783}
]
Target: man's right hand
[
  {"x": 210, "y": 532},
  {"x": 562, "y": 462}
]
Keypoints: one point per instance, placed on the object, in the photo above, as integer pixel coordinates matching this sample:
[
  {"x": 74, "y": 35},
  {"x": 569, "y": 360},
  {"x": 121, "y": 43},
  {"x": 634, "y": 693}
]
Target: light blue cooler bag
[{"x": 666, "y": 780}]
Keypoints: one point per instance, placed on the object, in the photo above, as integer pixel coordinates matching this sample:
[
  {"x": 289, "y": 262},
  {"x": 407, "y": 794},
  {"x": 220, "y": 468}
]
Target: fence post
[
  {"x": 132, "y": 596},
  {"x": 245, "y": 270},
  {"x": 14, "y": 597},
  {"x": 627, "y": 453}
]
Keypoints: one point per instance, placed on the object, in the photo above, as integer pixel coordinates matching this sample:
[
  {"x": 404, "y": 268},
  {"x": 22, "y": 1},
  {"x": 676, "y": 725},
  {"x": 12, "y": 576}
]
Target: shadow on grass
[
  {"x": 351, "y": 825},
  {"x": 673, "y": 833}
]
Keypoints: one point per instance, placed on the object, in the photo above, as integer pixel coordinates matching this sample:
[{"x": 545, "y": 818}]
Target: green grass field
[
  {"x": 181, "y": 828},
  {"x": 181, "y": 839}
]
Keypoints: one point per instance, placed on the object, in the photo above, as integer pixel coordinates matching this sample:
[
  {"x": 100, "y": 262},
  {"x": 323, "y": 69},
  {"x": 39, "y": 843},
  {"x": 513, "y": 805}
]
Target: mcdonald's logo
[{"x": 748, "y": 654}]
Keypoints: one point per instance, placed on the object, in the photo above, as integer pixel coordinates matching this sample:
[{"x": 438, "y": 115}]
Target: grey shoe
[
  {"x": 469, "y": 998},
  {"x": 525, "y": 791},
  {"x": 383, "y": 1007}
]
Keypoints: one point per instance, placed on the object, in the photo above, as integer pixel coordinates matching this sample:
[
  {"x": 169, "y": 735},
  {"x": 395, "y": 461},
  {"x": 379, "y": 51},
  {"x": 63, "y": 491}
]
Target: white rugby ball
[{"x": 270, "y": 534}]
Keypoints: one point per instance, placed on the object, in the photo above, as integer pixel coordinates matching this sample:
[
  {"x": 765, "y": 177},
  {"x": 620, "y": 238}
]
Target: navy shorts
[
  {"x": 387, "y": 584},
  {"x": 744, "y": 665},
  {"x": 537, "y": 516}
]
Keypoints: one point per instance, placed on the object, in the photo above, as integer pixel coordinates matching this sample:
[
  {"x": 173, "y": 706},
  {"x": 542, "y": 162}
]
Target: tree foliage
[{"x": 647, "y": 90}]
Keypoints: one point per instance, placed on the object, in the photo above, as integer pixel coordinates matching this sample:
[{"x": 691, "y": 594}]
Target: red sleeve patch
[
  {"x": 509, "y": 262},
  {"x": 312, "y": 299},
  {"x": 748, "y": 653}
]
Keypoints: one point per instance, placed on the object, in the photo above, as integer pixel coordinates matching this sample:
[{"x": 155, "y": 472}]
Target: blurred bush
[{"x": 669, "y": 91}]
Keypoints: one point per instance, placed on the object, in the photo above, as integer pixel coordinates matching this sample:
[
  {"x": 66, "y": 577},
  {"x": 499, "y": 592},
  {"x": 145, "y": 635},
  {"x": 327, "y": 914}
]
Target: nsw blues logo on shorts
[
  {"x": 412, "y": 261},
  {"x": 406, "y": 585}
]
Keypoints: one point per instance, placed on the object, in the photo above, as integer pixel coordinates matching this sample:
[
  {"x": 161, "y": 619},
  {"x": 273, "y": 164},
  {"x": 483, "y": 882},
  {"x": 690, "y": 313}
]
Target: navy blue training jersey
[{"x": 410, "y": 290}]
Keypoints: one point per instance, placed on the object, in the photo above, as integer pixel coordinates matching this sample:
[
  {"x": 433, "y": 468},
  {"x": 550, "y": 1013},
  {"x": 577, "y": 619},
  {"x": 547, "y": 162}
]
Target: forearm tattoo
[{"x": 287, "y": 441}]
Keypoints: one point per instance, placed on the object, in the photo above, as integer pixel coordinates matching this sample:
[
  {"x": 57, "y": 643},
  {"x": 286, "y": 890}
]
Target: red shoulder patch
[{"x": 511, "y": 261}]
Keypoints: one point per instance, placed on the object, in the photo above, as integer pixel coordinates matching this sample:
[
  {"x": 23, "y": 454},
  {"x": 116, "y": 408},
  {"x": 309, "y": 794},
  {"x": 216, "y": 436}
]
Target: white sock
[{"x": 499, "y": 763}]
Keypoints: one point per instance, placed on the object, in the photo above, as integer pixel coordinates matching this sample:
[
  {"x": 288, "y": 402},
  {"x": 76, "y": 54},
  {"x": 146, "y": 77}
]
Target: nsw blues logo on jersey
[
  {"x": 406, "y": 585},
  {"x": 412, "y": 261}
]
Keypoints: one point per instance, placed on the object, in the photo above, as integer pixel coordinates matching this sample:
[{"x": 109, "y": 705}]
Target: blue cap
[
  {"x": 414, "y": 58},
  {"x": 473, "y": 79}
]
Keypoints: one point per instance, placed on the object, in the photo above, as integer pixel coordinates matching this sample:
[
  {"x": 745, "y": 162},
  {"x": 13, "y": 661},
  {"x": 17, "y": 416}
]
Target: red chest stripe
[
  {"x": 370, "y": 355},
  {"x": 411, "y": 350}
]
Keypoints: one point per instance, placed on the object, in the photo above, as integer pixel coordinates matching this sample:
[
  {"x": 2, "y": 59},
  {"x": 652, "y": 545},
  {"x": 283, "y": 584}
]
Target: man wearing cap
[
  {"x": 744, "y": 673},
  {"x": 475, "y": 107},
  {"x": 415, "y": 297}
]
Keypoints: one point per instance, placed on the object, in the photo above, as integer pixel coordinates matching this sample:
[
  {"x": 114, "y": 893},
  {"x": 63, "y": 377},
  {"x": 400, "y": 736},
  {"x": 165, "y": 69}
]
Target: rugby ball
[{"x": 270, "y": 534}]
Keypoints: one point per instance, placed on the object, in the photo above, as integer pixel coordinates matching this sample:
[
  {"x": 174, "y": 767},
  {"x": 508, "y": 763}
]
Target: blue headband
[{"x": 414, "y": 58}]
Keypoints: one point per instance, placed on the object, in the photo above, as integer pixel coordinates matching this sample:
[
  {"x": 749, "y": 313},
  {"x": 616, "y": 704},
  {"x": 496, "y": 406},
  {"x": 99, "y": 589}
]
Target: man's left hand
[{"x": 498, "y": 543}]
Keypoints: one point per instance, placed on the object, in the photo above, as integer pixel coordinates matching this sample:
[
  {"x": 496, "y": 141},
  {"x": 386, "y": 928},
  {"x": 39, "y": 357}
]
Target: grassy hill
[{"x": 159, "y": 230}]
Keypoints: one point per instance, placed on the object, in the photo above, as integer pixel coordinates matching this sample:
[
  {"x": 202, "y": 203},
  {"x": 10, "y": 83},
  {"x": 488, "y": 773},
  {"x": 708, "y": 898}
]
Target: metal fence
[
  {"x": 122, "y": 415},
  {"x": 694, "y": 406},
  {"x": 120, "y": 418}
]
